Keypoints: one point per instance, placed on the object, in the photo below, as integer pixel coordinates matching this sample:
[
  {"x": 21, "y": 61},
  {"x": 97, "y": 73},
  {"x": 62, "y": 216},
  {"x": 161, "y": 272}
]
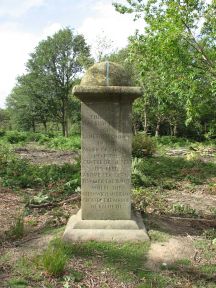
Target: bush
[
  {"x": 2, "y": 133},
  {"x": 15, "y": 172},
  {"x": 72, "y": 142},
  {"x": 34, "y": 136},
  {"x": 15, "y": 137},
  {"x": 173, "y": 141},
  {"x": 143, "y": 145}
]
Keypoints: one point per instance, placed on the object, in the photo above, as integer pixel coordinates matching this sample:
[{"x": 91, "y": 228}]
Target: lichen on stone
[{"x": 106, "y": 74}]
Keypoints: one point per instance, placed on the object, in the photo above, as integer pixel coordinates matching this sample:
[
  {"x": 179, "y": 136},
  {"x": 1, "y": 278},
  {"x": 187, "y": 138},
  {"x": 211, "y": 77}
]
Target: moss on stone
[{"x": 106, "y": 74}]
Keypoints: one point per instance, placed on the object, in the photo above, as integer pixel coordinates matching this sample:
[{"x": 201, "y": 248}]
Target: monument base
[{"x": 78, "y": 230}]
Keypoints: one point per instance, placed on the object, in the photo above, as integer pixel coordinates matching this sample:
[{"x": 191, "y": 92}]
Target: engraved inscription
[{"x": 106, "y": 161}]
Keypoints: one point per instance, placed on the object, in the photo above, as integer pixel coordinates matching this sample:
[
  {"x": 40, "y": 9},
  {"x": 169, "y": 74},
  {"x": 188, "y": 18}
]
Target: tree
[
  {"x": 175, "y": 57},
  {"x": 4, "y": 119},
  {"x": 52, "y": 70},
  {"x": 26, "y": 103},
  {"x": 103, "y": 47}
]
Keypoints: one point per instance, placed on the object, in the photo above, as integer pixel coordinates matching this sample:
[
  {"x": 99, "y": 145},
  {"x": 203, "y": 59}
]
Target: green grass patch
[
  {"x": 174, "y": 142},
  {"x": 208, "y": 250},
  {"x": 54, "y": 259},
  {"x": 158, "y": 171},
  {"x": 183, "y": 210},
  {"x": 158, "y": 236},
  {"x": 17, "y": 283},
  {"x": 17, "y": 230},
  {"x": 124, "y": 260}
]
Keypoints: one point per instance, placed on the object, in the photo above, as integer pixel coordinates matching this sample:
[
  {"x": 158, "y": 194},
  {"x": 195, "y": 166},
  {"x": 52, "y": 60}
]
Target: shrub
[
  {"x": 15, "y": 137},
  {"x": 2, "y": 133},
  {"x": 20, "y": 173},
  {"x": 173, "y": 141},
  {"x": 35, "y": 136},
  {"x": 72, "y": 142},
  {"x": 143, "y": 145}
]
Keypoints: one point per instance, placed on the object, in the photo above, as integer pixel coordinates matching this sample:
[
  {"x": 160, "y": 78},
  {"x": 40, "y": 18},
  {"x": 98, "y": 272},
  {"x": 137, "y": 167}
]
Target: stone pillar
[{"x": 106, "y": 103}]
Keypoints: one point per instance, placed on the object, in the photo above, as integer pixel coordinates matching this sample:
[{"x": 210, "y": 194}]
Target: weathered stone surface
[
  {"x": 106, "y": 74},
  {"x": 79, "y": 230},
  {"x": 106, "y": 160},
  {"x": 106, "y": 104},
  {"x": 111, "y": 93}
]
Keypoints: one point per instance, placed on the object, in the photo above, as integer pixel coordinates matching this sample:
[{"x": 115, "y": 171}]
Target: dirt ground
[
  {"x": 182, "y": 232},
  {"x": 11, "y": 206},
  {"x": 45, "y": 156},
  {"x": 201, "y": 199}
]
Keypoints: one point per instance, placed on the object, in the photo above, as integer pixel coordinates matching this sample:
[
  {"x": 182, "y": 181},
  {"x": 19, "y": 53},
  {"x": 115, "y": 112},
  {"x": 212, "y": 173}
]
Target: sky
[{"x": 23, "y": 23}]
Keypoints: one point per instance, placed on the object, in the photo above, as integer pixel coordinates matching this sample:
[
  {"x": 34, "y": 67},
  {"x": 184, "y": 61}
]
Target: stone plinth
[{"x": 106, "y": 158}]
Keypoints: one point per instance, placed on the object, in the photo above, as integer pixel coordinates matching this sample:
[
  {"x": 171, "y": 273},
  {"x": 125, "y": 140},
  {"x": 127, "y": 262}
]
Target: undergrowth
[
  {"x": 49, "y": 140},
  {"x": 19, "y": 173}
]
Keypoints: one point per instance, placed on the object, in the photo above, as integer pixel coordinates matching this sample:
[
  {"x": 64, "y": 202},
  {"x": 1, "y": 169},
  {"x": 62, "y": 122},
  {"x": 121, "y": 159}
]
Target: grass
[
  {"x": 125, "y": 262},
  {"x": 153, "y": 178},
  {"x": 54, "y": 259},
  {"x": 17, "y": 283},
  {"x": 125, "y": 258},
  {"x": 17, "y": 230},
  {"x": 208, "y": 250},
  {"x": 19, "y": 173},
  {"x": 158, "y": 236},
  {"x": 162, "y": 169}
]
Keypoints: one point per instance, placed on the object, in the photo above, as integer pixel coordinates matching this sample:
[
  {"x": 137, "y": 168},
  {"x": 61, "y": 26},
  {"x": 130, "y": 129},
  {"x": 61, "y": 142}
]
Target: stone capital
[{"x": 108, "y": 93}]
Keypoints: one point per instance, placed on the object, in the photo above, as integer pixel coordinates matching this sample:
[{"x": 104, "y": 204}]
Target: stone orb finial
[{"x": 106, "y": 74}]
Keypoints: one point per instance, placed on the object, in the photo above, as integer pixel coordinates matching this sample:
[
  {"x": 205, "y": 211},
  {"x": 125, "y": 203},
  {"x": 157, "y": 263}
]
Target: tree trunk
[
  {"x": 157, "y": 130},
  {"x": 63, "y": 128},
  {"x": 33, "y": 126},
  {"x": 171, "y": 129},
  {"x": 66, "y": 128},
  {"x": 145, "y": 122},
  {"x": 64, "y": 118},
  {"x": 175, "y": 130},
  {"x": 134, "y": 130},
  {"x": 45, "y": 126}
]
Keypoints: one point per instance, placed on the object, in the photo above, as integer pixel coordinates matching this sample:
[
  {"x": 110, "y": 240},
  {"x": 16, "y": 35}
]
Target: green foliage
[
  {"x": 4, "y": 120},
  {"x": 54, "y": 258},
  {"x": 210, "y": 233},
  {"x": 21, "y": 137},
  {"x": 183, "y": 210},
  {"x": 2, "y": 133},
  {"x": 124, "y": 259},
  {"x": 20, "y": 173},
  {"x": 174, "y": 57},
  {"x": 40, "y": 198},
  {"x": 158, "y": 236},
  {"x": 63, "y": 143},
  {"x": 17, "y": 283},
  {"x": 49, "y": 140},
  {"x": 44, "y": 93},
  {"x": 143, "y": 145},
  {"x": 173, "y": 141},
  {"x": 162, "y": 169},
  {"x": 14, "y": 137}
]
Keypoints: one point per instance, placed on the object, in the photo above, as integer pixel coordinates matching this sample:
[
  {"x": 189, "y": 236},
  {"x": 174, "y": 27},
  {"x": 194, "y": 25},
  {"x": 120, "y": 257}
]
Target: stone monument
[{"x": 106, "y": 103}]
